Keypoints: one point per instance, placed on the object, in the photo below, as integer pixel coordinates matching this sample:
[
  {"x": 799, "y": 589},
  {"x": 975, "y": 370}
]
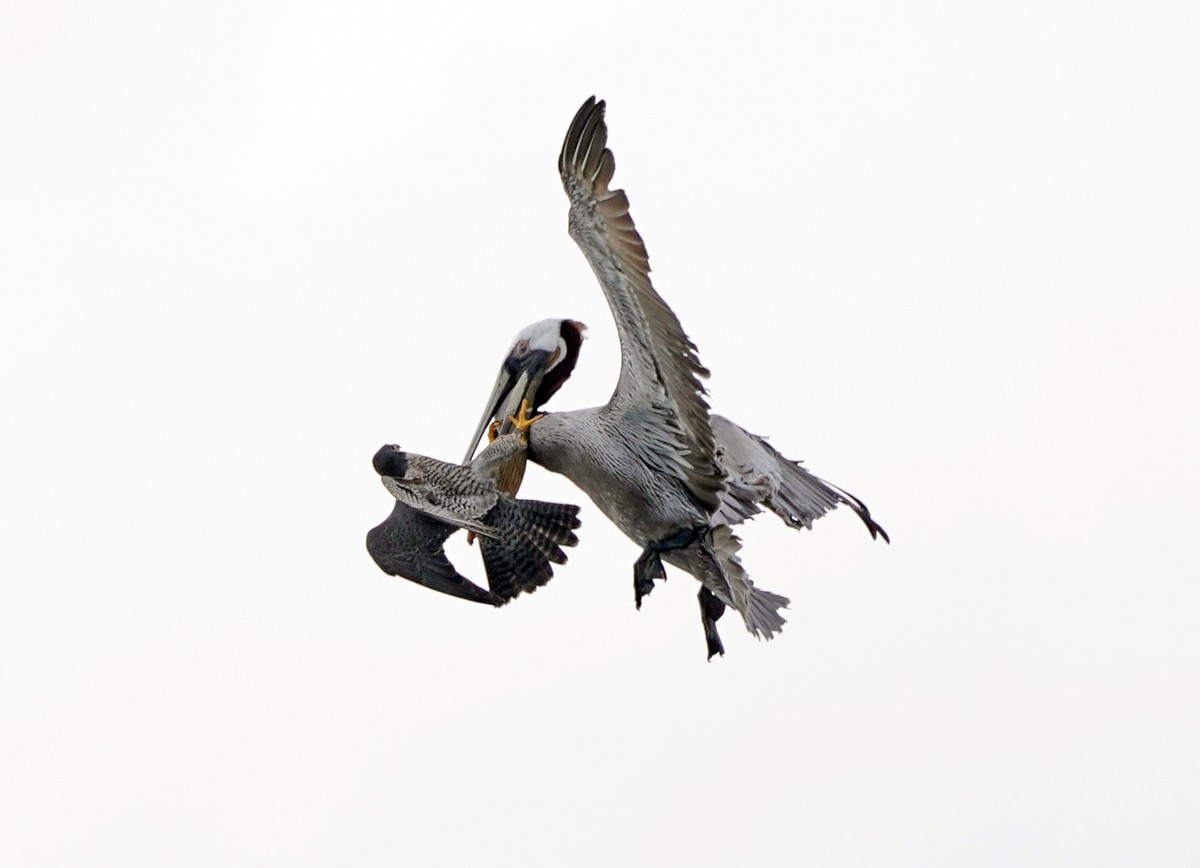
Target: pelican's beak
[{"x": 519, "y": 378}]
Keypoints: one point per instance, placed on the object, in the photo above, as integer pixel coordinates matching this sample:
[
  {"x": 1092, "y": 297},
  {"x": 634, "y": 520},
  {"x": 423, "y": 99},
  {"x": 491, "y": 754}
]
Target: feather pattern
[
  {"x": 518, "y": 538},
  {"x": 448, "y": 492},
  {"x": 726, "y": 578},
  {"x": 660, "y": 369},
  {"x": 534, "y": 532},
  {"x": 672, "y": 476},
  {"x": 756, "y": 474}
]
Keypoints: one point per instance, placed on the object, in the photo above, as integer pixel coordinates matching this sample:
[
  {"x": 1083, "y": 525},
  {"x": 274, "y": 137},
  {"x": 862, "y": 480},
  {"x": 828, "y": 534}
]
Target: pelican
[
  {"x": 673, "y": 477},
  {"x": 517, "y": 538}
]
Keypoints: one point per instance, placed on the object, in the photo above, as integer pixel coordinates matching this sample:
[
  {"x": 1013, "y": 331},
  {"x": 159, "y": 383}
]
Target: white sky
[{"x": 946, "y": 255}]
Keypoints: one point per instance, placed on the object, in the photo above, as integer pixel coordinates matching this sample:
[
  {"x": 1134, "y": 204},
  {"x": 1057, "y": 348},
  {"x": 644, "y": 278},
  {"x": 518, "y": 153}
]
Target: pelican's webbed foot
[
  {"x": 711, "y": 610},
  {"x": 649, "y": 565},
  {"x": 522, "y": 421}
]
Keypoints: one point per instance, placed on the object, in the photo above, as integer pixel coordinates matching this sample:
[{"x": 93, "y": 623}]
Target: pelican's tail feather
[
  {"x": 759, "y": 608},
  {"x": 762, "y": 612}
]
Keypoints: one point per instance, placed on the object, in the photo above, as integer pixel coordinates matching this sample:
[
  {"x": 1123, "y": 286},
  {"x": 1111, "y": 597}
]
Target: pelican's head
[
  {"x": 540, "y": 360},
  {"x": 390, "y": 461}
]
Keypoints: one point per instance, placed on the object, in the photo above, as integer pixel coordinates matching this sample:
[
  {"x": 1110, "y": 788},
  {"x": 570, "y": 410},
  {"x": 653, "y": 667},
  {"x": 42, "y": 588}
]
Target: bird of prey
[{"x": 519, "y": 539}]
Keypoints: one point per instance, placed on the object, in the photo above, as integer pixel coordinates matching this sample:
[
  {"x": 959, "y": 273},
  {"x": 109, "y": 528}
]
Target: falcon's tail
[{"x": 533, "y": 533}]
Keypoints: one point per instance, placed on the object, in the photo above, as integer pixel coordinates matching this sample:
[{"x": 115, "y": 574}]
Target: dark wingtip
[
  {"x": 590, "y": 113},
  {"x": 860, "y": 509},
  {"x": 873, "y": 526}
]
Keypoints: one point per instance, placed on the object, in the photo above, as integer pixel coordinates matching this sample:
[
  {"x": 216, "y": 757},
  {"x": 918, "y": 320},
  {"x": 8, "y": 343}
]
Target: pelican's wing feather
[
  {"x": 757, "y": 474},
  {"x": 659, "y": 365}
]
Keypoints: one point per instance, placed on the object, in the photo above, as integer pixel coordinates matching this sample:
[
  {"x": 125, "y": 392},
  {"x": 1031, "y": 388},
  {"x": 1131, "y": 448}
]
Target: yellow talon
[
  {"x": 493, "y": 431},
  {"x": 521, "y": 421}
]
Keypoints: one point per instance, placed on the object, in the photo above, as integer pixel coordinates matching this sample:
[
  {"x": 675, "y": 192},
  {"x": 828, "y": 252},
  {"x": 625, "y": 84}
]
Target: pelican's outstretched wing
[
  {"x": 660, "y": 370},
  {"x": 757, "y": 474}
]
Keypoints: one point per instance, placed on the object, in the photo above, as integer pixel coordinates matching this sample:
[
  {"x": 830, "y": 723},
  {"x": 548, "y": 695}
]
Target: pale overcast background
[{"x": 948, "y": 254}]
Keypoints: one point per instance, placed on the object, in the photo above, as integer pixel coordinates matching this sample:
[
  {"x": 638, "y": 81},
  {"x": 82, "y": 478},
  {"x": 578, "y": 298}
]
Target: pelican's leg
[
  {"x": 646, "y": 569},
  {"x": 711, "y": 610},
  {"x": 649, "y": 565}
]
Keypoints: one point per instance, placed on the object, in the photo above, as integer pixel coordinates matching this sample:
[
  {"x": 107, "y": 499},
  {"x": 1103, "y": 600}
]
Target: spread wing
[
  {"x": 409, "y": 544},
  {"x": 448, "y": 492},
  {"x": 660, "y": 370},
  {"x": 757, "y": 474}
]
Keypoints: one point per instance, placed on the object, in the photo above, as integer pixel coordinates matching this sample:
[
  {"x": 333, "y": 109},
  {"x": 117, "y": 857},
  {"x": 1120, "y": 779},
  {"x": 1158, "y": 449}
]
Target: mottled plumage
[{"x": 518, "y": 538}]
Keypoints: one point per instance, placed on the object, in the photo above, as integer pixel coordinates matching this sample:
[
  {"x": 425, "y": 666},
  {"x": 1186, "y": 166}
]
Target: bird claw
[
  {"x": 493, "y": 432},
  {"x": 522, "y": 420}
]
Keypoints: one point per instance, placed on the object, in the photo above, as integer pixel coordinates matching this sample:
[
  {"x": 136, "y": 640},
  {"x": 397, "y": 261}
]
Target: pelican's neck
[{"x": 557, "y": 440}]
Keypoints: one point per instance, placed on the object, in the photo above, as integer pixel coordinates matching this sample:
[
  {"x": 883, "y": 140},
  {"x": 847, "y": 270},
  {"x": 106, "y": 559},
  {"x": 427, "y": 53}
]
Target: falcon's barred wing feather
[
  {"x": 757, "y": 474},
  {"x": 659, "y": 365},
  {"x": 449, "y": 492}
]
